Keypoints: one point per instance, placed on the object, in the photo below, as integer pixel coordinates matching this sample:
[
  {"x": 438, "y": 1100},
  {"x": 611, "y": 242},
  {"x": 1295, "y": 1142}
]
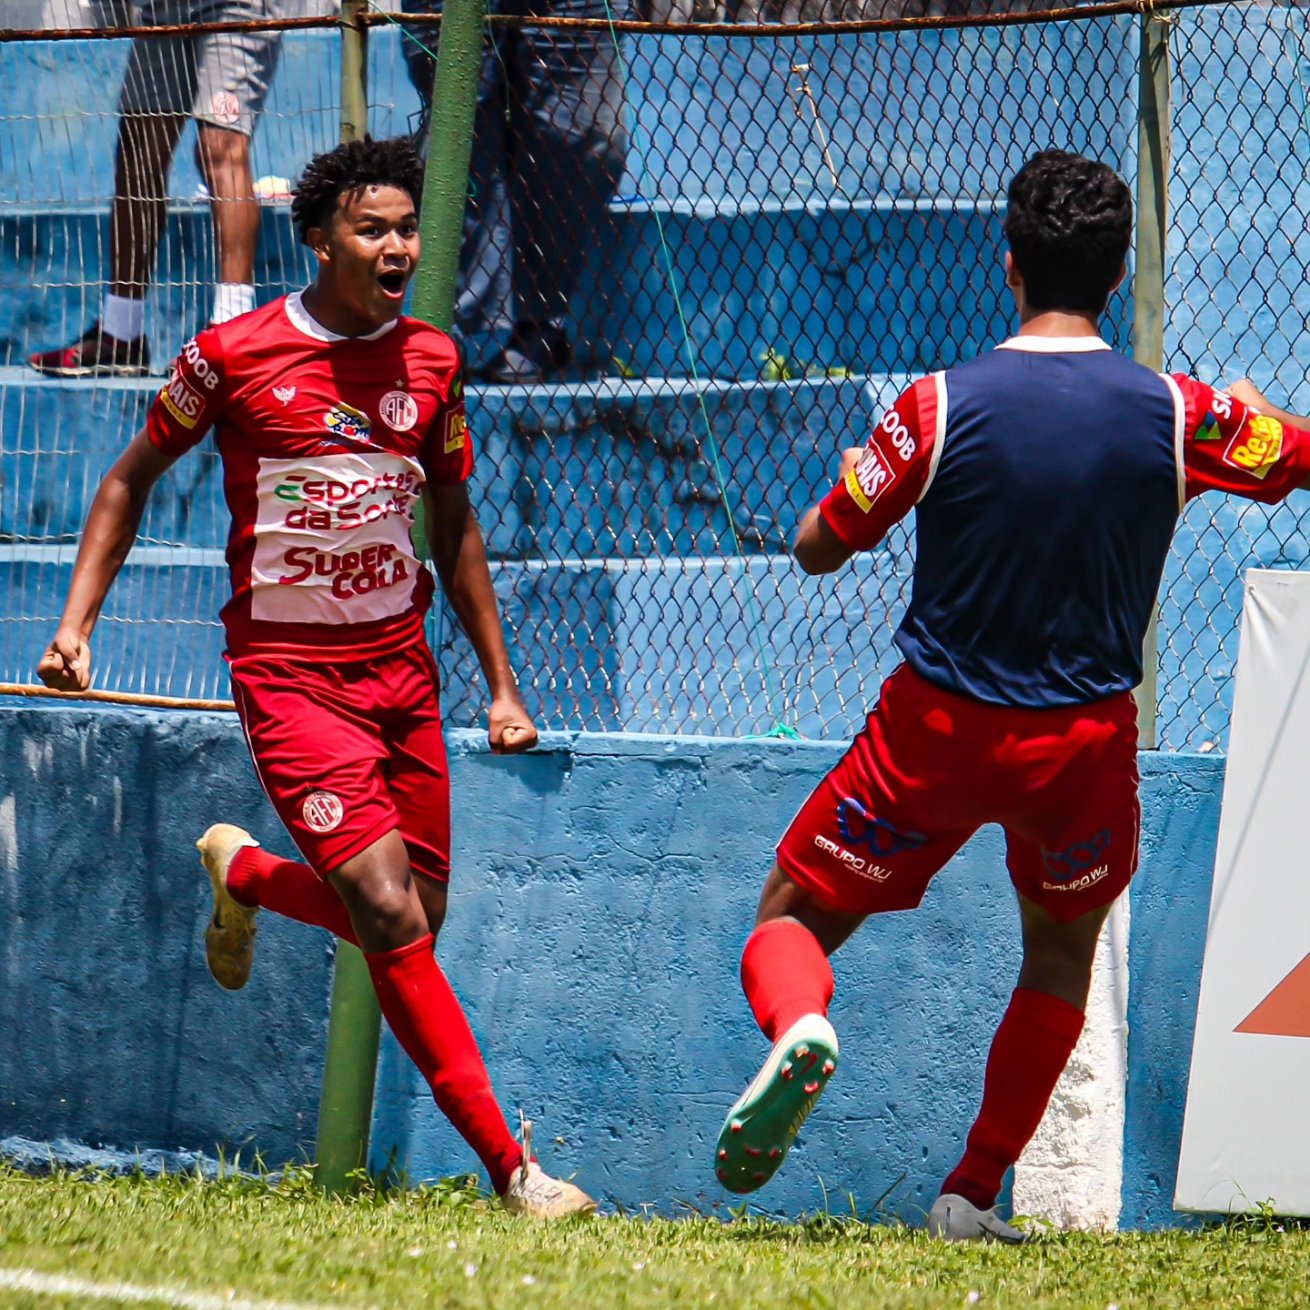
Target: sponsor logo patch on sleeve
[
  {"x": 869, "y": 478},
  {"x": 1257, "y": 447},
  {"x": 456, "y": 431},
  {"x": 182, "y": 401}
]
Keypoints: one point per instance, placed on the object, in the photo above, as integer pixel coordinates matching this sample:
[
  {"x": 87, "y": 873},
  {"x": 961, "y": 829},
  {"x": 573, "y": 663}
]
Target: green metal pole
[
  {"x": 354, "y": 70},
  {"x": 450, "y": 143},
  {"x": 345, "y": 1110},
  {"x": 446, "y": 180},
  {"x": 1153, "y": 134}
]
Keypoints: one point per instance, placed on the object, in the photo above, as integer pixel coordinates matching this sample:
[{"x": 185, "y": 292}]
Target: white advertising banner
[{"x": 1246, "y": 1135}]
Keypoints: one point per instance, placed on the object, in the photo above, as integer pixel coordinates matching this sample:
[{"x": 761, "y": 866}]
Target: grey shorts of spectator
[
  {"x": 220, "y": 78},
  {"x": 549, "y": 151}
]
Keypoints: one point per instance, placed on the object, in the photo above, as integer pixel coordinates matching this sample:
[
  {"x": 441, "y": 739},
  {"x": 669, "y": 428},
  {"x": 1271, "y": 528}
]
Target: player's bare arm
[
  {"x": 816, "y": 547},
  {"x": 111, "y": 528},
  {"x": 460, "y": 555}
]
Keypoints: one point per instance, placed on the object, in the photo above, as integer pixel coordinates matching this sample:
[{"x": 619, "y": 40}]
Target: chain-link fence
[{"x": 713, "y": 257}]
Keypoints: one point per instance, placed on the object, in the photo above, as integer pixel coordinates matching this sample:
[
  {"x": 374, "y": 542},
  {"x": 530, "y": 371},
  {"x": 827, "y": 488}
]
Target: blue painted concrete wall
[
  {"x": 111, "y": 1030},
  {"x": 603, "y": 888}
]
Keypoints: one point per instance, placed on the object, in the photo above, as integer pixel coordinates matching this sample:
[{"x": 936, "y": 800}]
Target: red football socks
[
  {"x": 288, "y": 888},
  {"x": 428, "y": 1022},
  {"x": 1031, "y": 1047},
  {"x": 785, "y": 975}
]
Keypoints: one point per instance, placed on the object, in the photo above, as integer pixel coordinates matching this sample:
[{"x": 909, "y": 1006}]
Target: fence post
[
  {"x": 345, "y": 1110},
  {"x": 450, "y": 144},
  {"x": 354, "y": 70},
  {"x": 1148, "y": 275}
]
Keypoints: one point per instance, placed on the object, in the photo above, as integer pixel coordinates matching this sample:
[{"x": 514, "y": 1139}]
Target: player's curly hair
[
  {"x": 1069, "y": 225},
  {"x": 348, "y": 167}
]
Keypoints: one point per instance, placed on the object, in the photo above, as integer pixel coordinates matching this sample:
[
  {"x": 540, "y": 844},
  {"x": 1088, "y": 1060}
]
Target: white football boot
[
  {"x": 954, "y": 1219},
  {"x": 532, "y": 1191}
]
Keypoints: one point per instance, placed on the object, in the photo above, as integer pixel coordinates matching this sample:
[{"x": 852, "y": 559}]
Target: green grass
[{"x": 447, "y": 1246}]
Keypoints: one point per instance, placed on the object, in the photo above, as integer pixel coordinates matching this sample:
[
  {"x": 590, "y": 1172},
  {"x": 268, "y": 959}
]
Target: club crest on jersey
[
  {"x": 869, "y": 478},
  {"x": 399, "y": 410},
  {"x": 347, "y": 424},
  {"x": 322, "y": 811},
  {"x": 1256, "y": 449}
]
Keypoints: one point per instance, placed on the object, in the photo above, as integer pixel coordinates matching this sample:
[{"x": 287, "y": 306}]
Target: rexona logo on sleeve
[{"x": 1257, "y": 447}]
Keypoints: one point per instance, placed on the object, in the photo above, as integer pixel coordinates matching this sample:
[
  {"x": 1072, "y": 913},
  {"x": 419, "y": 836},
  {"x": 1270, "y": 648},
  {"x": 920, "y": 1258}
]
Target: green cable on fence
[{"x": 780, "y": 728}]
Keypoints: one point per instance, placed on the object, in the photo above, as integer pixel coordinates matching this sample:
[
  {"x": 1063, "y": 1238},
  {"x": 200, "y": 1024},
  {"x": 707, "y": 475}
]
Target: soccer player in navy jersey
[{"x": 1047, "y": 476}]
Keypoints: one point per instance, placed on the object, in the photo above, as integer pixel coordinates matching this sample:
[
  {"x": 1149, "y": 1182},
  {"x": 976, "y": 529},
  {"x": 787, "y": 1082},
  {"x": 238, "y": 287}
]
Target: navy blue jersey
[{"x": 1048, "y": 476}]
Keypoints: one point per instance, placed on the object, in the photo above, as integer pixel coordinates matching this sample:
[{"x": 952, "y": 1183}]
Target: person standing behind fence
[
  {"x": 1046, "y": 478},
  {"x": 221, "y": 80},
  {"x": 549, "y": 149}
]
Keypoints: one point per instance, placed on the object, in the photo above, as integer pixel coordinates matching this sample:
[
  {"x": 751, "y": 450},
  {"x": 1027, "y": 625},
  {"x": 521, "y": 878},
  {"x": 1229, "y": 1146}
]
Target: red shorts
[
  {"x": 347, "y": 752},
  {"x": 931, "y": 767}
]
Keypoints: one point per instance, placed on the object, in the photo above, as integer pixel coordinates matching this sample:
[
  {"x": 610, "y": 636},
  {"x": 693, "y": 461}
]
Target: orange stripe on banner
[{"x": 1285, "y": 1012}]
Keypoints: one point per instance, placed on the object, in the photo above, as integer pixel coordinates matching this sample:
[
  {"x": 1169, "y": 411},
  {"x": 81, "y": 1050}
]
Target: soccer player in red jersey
[
  {"x": 334, "y": 414},
  {"x": 1046, "y": 478}
]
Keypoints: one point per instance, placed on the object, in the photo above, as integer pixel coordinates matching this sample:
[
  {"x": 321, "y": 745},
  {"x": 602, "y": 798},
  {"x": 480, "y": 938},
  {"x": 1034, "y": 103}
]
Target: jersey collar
[
  {"x": 1054, "y": 345},
  {"x": 303, "y": 321}
]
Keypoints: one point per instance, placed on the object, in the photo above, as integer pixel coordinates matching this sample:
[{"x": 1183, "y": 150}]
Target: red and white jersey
[{"x": 326, "y": 443}]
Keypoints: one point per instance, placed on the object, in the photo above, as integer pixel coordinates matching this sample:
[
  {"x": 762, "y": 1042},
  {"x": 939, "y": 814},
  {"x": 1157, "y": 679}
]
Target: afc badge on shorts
[
  {"x": 399, "y": 410},
  {"x": 322, "y": 811}
]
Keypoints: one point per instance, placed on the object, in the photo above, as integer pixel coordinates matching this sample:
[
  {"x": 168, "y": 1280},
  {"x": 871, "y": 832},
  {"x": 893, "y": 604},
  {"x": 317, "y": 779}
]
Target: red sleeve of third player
[
  {"x": 448, "y": 450},
  {"x": 192, "y": 399},
  {"x": 892, "y": 473},
  {"x": 1228, "y": 446}
]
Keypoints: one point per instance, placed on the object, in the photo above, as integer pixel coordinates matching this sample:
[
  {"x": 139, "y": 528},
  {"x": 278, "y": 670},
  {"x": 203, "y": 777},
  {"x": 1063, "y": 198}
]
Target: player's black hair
[
  {"x": 348, "y": 167},
  {"x": 1069, "y": 224}
]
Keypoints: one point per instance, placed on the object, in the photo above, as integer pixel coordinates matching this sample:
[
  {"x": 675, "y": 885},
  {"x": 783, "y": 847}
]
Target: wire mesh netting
[{"x": 696, "y": 267}]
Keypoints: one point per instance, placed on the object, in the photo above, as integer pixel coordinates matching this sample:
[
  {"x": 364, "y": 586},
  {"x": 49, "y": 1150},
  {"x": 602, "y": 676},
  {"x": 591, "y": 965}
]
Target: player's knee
[{"x": 1062, "y": 969}]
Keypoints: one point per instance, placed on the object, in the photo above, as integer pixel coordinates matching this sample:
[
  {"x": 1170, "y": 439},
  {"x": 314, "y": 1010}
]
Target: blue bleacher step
[
  {"x": 822, "y": 284},
  {"x": 614, "y": 467}
]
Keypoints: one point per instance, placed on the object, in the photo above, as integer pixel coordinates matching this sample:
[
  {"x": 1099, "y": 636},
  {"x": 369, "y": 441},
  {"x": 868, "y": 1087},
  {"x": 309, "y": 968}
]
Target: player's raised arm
[
  {"x": 878, "y": 484},
  {"x": 111, "y": 528}
]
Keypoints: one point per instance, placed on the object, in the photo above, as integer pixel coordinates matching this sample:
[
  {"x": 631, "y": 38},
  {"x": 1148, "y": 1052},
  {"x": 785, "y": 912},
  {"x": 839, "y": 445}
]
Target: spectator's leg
[
  {"x": 225, "y": 166},
  {"x": 482, "y": 301},
  {"x": 158, "y": 86},
  {"x": 233, "y": 73},
  {"x": 145, "y": 150},
  {"x": 572, "y": 150}
]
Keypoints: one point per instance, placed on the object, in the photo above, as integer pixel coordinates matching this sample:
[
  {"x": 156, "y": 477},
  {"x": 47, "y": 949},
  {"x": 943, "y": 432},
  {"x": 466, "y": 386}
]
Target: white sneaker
[
  {"x": 230, "y": 934},
  {"x": 532, "y": 1191},
  {"x": 761, "y": 1126},
  {"x": 954, "y": 1219}
]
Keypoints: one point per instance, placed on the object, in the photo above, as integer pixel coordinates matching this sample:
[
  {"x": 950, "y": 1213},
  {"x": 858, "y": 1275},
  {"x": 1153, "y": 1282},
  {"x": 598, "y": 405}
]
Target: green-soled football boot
[{"x": 761, "y": 1127}]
